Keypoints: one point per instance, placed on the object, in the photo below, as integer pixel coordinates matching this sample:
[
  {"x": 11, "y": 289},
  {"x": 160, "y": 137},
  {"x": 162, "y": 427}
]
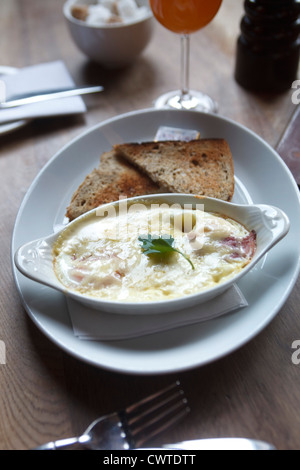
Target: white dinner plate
[
  {"x": 261, "y": 177},
  {"x": 14, "y": 125}
]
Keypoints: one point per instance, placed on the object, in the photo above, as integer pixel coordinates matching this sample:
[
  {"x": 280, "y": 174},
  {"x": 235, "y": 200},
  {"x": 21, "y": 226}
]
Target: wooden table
[{"x": 45, "y": 393}]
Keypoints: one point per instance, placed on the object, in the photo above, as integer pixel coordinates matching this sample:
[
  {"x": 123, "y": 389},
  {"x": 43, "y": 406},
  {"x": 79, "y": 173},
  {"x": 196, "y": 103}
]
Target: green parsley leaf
[{"x": 162, "y": 245}]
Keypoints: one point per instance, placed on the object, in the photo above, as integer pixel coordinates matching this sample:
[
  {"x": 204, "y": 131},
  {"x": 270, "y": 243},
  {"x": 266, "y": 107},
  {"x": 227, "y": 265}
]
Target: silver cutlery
[
  {"x": 230, "y": 443},
  {"x": 132, "y": 427},
  {"x": 46, "y": 95}
]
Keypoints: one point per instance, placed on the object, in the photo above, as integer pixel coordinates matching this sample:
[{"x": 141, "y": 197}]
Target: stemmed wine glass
[{"x": 185, "y": 17}]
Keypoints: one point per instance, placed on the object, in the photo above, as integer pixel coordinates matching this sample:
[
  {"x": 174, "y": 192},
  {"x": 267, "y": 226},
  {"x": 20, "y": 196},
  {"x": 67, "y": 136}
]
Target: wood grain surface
[{"x": 45, "y": 393}]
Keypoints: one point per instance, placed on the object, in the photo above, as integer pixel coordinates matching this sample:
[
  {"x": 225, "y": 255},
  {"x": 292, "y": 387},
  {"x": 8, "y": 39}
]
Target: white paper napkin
[
  {"x": 36, "y": 78},
  {"x": 90, "y": 324}
]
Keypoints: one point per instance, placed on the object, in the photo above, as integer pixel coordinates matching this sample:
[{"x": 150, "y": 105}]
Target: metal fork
[{"x": 132, "y": 427}]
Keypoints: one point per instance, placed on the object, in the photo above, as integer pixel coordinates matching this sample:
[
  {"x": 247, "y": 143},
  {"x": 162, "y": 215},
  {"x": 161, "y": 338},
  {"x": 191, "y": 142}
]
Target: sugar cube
[
  {"x": 127, "y": 8},
  {"x": 98, "y": 14}
]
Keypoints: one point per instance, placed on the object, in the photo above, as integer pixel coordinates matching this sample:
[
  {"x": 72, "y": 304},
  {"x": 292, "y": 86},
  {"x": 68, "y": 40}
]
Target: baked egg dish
[{"x": 150, "y": 252}]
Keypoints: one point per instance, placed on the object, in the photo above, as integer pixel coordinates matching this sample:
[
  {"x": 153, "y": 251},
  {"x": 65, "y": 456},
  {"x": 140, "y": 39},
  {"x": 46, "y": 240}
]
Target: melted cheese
[{"x": 102, "y": 256}]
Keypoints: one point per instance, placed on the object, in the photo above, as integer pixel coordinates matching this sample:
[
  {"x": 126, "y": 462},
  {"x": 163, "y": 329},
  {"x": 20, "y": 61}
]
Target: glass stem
[{"x": 185, "y": 66}]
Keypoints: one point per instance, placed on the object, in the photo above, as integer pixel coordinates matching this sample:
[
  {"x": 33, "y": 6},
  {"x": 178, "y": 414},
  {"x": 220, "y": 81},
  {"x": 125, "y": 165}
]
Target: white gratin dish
[{"x": 271, "y": 224}]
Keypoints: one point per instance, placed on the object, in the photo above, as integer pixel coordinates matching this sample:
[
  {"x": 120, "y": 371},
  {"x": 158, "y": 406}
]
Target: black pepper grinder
[{"x": 268, "y": 48}]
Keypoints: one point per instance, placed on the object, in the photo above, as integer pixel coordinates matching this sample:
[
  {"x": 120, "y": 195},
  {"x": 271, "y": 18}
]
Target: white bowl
[
  {"x": 35, "y": 259},
  {"x": 111, "y": 45}
]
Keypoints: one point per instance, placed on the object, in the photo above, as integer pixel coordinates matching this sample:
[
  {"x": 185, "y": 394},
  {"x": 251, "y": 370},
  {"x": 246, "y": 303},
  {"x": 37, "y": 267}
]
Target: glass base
[{"x": 193, "y": 101}]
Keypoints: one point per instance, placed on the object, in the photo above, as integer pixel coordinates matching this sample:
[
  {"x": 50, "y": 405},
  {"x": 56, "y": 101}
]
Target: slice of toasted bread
[
  {"x": 114, "y": 178},
  {"x": 203, "y": 167}
]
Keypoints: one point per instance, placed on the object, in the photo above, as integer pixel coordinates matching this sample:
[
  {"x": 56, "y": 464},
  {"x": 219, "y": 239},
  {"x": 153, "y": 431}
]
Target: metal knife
[
  {"x": 20, "y": 100},
  {"x": 220, "y": 444}
]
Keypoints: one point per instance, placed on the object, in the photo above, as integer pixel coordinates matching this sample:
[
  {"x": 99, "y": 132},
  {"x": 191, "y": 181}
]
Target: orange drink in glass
[{"x": 185, "y": 17}]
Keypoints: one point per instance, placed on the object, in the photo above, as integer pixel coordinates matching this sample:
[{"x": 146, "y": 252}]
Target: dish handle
[
  {"x": 35, "y": 261},
  {"x": 275, "y": 221}
]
